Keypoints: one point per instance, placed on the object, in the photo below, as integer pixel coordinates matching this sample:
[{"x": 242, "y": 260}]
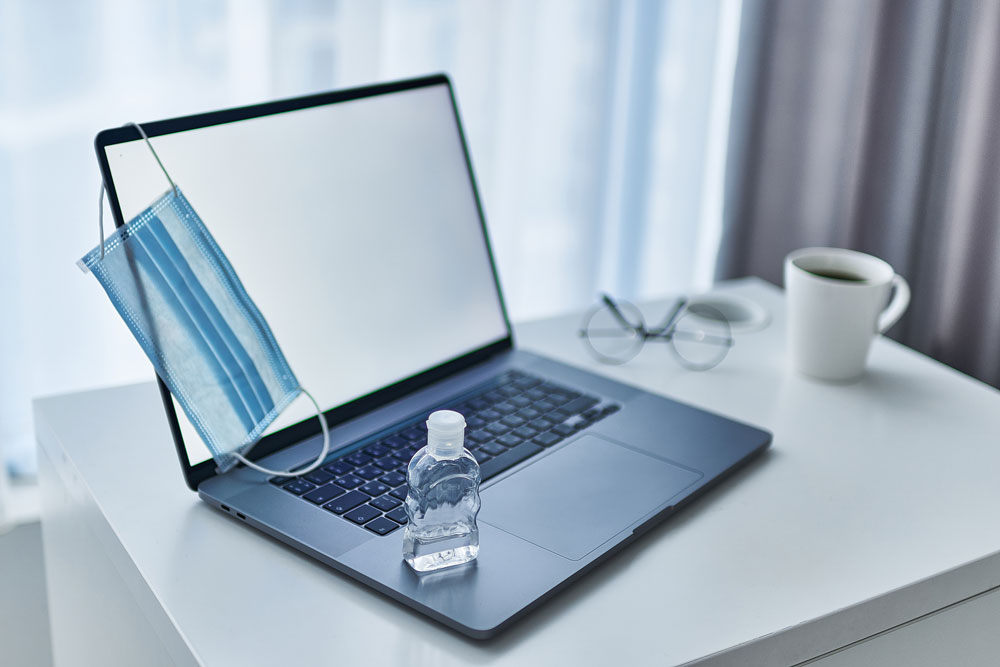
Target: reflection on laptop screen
[{"x": 353, "y": 227}]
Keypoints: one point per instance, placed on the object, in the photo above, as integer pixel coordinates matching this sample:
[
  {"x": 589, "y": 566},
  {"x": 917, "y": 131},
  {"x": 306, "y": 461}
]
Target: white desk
[{"x": 877, "y": 505}]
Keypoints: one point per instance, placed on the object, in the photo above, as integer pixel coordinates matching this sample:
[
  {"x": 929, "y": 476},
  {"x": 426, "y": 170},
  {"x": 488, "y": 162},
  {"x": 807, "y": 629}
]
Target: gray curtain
[{"x": 875, "y": 125}]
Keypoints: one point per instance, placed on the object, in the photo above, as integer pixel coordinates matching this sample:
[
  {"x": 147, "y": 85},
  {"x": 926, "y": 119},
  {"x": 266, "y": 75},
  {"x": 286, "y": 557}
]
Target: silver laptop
[{"x": 353, "y": 220}]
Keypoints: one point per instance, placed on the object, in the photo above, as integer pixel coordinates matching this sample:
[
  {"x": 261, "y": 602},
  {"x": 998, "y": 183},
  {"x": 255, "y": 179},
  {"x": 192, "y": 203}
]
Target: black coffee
[{"x": 837, "y": 274}]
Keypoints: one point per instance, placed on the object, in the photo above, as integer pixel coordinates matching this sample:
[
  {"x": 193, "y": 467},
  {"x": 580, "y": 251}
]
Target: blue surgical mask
[{"x": 207, "y": 340}]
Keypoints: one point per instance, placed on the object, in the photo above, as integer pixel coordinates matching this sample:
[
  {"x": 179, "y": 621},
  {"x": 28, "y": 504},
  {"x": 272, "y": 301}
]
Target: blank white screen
[{"x": 354, "y": 228}]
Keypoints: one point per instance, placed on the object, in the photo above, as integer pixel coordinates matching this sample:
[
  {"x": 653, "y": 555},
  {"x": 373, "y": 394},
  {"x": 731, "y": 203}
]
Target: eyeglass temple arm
[{"x": 617, "y": 313}]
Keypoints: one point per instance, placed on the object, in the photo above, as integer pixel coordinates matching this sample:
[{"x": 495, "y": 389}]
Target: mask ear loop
[
  {"x": 319, "y": 412},
  {"x": 301, "y": 471},
  {"x": 100, "y": 217},
  {"x": 152, "y": 150},
  {"x": 100, "y": 205}
]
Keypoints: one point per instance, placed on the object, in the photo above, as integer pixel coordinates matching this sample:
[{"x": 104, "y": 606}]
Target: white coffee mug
[{"x": 836, "y": 303}]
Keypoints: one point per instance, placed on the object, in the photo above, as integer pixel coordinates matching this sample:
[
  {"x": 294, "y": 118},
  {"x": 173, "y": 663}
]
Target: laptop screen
[{"x": 353, "y": 226}]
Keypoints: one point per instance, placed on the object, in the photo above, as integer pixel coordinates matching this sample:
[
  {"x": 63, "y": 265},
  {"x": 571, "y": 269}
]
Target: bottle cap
[{"x": 445, "y": 432}]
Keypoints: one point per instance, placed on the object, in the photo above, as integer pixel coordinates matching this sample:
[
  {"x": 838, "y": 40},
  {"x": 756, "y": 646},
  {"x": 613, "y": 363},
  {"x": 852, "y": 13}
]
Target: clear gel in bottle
[{"x": 443, "y": 498}]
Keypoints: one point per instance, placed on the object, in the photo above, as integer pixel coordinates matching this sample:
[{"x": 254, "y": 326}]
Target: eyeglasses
[{"x": 699, "y": 335}]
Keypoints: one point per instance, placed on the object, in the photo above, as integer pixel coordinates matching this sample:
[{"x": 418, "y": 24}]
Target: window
[{"x": 597, "y": 129}]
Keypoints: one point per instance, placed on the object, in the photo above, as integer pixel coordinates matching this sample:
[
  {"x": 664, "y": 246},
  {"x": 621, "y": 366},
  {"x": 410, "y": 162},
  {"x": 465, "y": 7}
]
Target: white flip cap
[{"x": 445, "y": 432}]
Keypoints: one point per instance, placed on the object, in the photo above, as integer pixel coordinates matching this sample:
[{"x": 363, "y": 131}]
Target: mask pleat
[
  {"x": 248, "y": 382},
  {"x": 196, "y": 229},
  {"x": 159, "y": 270}
]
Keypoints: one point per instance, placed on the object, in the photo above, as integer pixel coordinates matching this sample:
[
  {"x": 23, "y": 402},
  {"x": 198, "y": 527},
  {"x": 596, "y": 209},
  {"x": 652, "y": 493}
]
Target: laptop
[{"x": 353, "y": 219}]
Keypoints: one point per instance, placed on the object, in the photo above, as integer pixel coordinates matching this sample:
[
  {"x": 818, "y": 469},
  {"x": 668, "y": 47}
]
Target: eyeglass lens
[
  {"x": 701, "y": 337},
  {"x": 608, "y": 338}
]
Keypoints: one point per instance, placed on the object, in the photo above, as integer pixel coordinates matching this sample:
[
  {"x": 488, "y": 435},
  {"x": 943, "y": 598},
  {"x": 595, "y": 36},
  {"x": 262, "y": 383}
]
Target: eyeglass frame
[{"x": 664, "y": 332}]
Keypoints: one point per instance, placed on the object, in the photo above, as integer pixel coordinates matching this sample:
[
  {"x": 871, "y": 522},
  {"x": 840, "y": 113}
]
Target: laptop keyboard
[{"x": 514, "y": 417}]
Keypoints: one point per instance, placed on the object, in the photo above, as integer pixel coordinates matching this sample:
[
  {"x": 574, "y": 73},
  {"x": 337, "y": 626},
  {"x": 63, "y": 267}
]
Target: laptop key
[
  {"x": 542, "y": 424},
  {"x": 478, "y": 404},
  {"x": 385, "y": 503},
  {"x": 362, "y": 514},
  {"x": 381, "y": 526},
  {"x": 376, "y": 451},
  {"x": 396, "y": 441},
  {"x": 497, "y": 429},
  {"x": 528, "y": 414},
  {"x": 299, "y": 486},
  {"x": 481, "y": 456},
  {"x": 400, "y": 492},
  {"x": 570, "y": 394},
  {"x": 559, "y": 390},
  {"x": 493, "y": 448},
  {"x": 393, "y": 479},
  {"x": 580, "y": 404},
  {"x": 494, "y": 396},
  {"x": 525, "y": 432},
  {"x": 547, "y": 439},
  {"x": 557, "y": 399},
  {"x": 490, "y": 415},
  {"x": 358, "y": 458},
  {"x": 339, "y": 468},
  {"x": 369, "y": 472},
  {"x": 398, "y": 515},
  {"x": 520, "y": 401},
  {"x": 324, "y": 494},
  {"x": 513, "y": 421},
  {"x": 387, "y": 463},
  {"x": 511, "y": 457},
  {"x": 319, "y": 477},
  {"x": 346, "y": 502},
  {"x": 479, "y": 435},
  {"x": 565, "y": 429},
  {"x": 350, "y": 481},
  {"x": 412, "y": 434},
  {"x": 375, "y": 488},
  {"x": 526, "y": 382},
  {"x": 509, "y": 440},
  {"x": 280, "y": 480},
  {"x": 534, "y": 394}
]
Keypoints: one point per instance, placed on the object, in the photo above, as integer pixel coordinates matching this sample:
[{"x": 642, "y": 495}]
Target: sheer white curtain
[{"x": 597, "y": 129}]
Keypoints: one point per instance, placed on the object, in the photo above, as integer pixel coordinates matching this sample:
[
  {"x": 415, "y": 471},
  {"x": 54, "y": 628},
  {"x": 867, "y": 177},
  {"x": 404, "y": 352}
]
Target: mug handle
[{"x": 897, "y": 306}]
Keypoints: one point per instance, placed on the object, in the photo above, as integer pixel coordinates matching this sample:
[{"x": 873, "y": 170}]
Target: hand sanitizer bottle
[{"x": 443, "y": 498}]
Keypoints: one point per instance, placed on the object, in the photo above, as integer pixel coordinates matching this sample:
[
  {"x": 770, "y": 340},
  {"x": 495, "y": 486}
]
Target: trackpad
[{"x": 579, "y": 497}]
